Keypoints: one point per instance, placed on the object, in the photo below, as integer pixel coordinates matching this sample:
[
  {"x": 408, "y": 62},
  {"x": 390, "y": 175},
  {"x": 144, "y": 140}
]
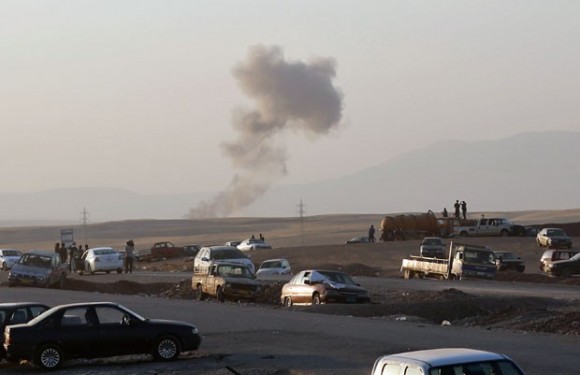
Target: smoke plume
[{"x": 292, "y": 95}]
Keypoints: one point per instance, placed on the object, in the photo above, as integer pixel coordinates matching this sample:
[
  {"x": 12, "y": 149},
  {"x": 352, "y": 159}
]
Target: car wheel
[
  {"x": 4, "y": 268},
  {"x": 199, "y": 294},
  {"x": 220, "y": 294},
  {"x": 287, "y": 302},
  {"x": 463, "y": 234},
  {"x": 48, "y": 357},
  {"x": 108, "y": 272},
  {"x": 504, "y": 233},
  {"x": 119, "y": 270},
  {"x": 167, "y": 348},
  {"x": 316, "y": 299}
]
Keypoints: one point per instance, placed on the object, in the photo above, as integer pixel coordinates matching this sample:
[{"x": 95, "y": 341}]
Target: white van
[
  {"x": 231, "y": 254},
  {"x": 446, "y": 362}
]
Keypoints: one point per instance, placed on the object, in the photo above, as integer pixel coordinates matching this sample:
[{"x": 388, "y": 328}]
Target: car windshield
[
  {"x": 227, "y": 254},
  {"x": 272, "y": 264},
  {"x": 506, "y": 255},
  {"x": 338, "y": 277},
  {"x": 432, "y": 241},
  {"x": 11, "y": 253},
  {"x": 233, "y": 271},
  {"x": 575, "y": 257},
  {"x": 556, "y": 233},
  {"x": 36, "y": 260},
  {"x": 479, "y": 257}
]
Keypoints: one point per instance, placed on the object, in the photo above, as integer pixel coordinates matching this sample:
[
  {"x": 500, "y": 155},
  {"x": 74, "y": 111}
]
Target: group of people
[
  {"x": 458, "y": 206},
  {"x": 261, "y": 237},
  {"x": 69, "y": 254}
]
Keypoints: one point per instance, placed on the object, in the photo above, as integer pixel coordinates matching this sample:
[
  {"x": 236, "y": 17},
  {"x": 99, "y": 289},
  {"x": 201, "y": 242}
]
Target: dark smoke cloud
[{"x": 288, "y": 95}]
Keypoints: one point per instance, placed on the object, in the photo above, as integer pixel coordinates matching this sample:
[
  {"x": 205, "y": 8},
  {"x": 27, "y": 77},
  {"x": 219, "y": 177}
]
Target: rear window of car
[
  {"x": 227, "y": 254},
  {"x": 105, "y": 251},
  {"x": 432, "y": 242},
  {"x": 11, "y": 253}
]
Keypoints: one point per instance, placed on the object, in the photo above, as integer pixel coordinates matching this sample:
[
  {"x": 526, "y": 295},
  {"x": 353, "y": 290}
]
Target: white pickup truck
[{"x": 485, "y": 227}]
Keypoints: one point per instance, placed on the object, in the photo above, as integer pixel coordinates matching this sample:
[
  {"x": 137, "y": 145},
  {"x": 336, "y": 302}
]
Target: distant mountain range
[{"x": 528, "y": 171}]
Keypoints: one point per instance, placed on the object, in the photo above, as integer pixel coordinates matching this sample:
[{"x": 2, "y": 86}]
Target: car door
[
  {"x": 119, "y": 335},
  {"x": 79, "y": 333},
  {"x": 302, "y": 289}
]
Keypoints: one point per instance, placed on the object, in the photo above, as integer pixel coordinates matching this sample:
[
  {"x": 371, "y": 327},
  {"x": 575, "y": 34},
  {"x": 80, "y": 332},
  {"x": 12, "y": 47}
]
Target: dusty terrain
[{"x": 323, "y": 239}]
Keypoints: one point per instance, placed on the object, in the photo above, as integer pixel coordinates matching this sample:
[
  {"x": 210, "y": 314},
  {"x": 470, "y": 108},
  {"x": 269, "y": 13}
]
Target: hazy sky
[{"x": 140, "y": 94}]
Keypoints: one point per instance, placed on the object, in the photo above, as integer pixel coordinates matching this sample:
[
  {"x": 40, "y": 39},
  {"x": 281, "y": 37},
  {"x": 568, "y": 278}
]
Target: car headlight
[{"x": 195, "y": 331}]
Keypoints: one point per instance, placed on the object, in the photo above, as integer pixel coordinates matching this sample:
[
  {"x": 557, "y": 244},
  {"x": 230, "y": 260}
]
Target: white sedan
[
  {"x": 274, "y": 267},
  {"x": 8, "y": 257},
  {"x": 253, "y": 244},
  {"x": 102, "y": 259}
]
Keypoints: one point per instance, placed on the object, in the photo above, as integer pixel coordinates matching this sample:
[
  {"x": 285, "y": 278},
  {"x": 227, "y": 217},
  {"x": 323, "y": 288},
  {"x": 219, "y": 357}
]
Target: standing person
[
  {"x": 444, "y": 213},
  {"x": 57, "y": 247},
  {"x": 464, "y": 209},
  {"x": 456, "y": 206},
  {"x": 262, "y": 237},
  {"x": 372, "y": 234},
  {"x": 129, "y": 248},
  {"x": 62, "y": 253},
  {"x": 72, "y": 254}
]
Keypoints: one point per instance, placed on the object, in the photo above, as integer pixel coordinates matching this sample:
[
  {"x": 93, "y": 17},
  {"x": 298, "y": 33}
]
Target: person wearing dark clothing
[
  {"x": 444, "y": 213},
  {"x": 456, "y": 206},
  {"x": 252, "y": 238},
  {"x": 464, "y": 209},
  {"x": 57, "y": 247},
  {"x": 62, "y": 253},
  {"x": 261, "y": 237},
  {"x": 129, "y": 248},
  {"x": 372, "y": 234}
]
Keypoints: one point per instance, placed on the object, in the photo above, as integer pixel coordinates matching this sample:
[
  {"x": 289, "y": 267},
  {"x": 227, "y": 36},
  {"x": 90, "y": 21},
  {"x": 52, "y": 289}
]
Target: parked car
[
  {"x": 8, "y": 257},
  {"x": 564, "y": 268},
  {"x": 191, "y": 250},
  {"x": 208, "y": 254},
  {"x": 432, "y": 247},
  {"x": 253, "y": 244},
  {"x": 96, "y": 330},
  {"x": 553, "y": 255},
  {"x": 274, "y": 267},
  {"x": 102, "y": 259},
  {"x": 225, "y": 280},
  {"x": 322, "y": 286},
  {"x": 38, "y": 268},
  {"x": 506, "y": 260},
  {"x": 555, "y": 238},
  {"x": 360, "y": 239},
  {"x": 17, "y": 313},
  {"x": 452, "y": 361}
]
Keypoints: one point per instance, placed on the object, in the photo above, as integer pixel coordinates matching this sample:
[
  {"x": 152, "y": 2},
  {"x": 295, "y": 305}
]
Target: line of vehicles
[{"x": 47, "y": 337}]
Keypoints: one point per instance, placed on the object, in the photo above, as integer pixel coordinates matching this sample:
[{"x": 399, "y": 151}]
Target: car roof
[
  {"x": 220, "y": 247},
  {"x": 101, "y": 248},
  {"x": 444, "y": 356},
  {"x": 274, "y": 260},
  {"x": 21, "y": 304},
  {"x": 86, "y": 304}
]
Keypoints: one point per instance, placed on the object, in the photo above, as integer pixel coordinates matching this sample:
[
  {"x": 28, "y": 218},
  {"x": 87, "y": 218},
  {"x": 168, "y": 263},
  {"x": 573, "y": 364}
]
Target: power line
[{"x": 301, "y": 209}]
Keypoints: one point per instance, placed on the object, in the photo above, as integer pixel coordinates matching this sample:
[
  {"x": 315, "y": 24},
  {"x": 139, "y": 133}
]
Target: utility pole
[
  {"x": 84, "y": 221},
  {"x": 301, "y": 209}
]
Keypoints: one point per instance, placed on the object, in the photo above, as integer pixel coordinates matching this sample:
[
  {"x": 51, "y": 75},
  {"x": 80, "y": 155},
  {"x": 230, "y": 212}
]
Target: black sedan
[
  {"x": 17, "y": 313},
  {"x": 505, "y": 261},
  {"x": 95, "y": 330}
]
